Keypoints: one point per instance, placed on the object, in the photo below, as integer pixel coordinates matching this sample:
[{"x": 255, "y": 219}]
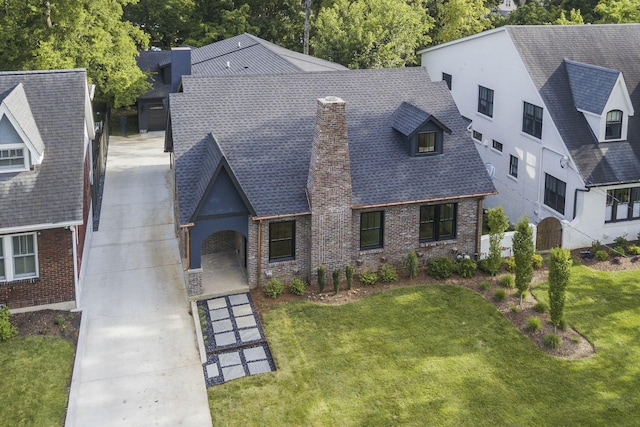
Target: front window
[
  {"x": 497, "y": 145},
  {"x": 614, "y": 125},
  {"x": 532, "y": 120},
  {"x": 427, "y": 142},
  {"x": 438, "y": 222},
  {"x": 371, "y": 229},
  {"x": 554, "y": 193},
  {"x": 513, "y": 166},
  {"x": 485, "y": 101},
  {"x": 477, "y": 135},
  {"x": 24, "y": 256},
  {"x": 11, "y": 158},
  {"x": 282, "y": 240},
  {"x": 623, "y": 204}
]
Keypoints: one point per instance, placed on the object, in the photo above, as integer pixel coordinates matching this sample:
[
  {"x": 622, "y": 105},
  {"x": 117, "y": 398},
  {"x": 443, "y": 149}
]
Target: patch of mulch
[
  {"x": 55, "y": 323},
  {"x": 628, "y": 262}
]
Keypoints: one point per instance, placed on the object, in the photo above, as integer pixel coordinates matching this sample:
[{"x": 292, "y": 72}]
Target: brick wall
[
  {"x": 55, "y": 283},
  {"x": 223, "y": 241}
]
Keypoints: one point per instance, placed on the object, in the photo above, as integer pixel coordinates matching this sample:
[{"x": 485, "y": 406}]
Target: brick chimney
[{"x": 329, "y": 189}]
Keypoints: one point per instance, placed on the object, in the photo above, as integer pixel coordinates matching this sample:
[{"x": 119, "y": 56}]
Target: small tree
[
  {"x": 523, "y": 254},
  {"x": 336, "y": 280},
  {"x": 411, "y": 264},
  {"x": 348, "y": 273},
  {"x": 559, "y": 262},
  {"x": 7, "y": 330},
  {"x": 321, "y": 271},
  {"x": 498, "y": 224}
]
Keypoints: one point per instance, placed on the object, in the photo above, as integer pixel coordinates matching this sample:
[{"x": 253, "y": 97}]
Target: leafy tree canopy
[
  {"x": 167, "y": 22},
  {"x": 618, "y": 11},
  {"x": 460, "y": 18}
]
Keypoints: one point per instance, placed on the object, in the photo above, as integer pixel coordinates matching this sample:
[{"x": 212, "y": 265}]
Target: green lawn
[{"x": 34, "y": 372}]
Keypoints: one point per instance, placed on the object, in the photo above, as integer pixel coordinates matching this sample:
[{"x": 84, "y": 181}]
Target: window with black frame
[
  {"x": 282, "y": 240},
  {"x": 438, "y": 222},
  {"x": 371, "y": 229}
]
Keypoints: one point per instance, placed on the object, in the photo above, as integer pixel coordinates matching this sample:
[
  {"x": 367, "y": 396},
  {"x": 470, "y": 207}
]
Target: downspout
[
  {"x": 259, "y": 251},
  {"x": 76, "y": 282},
  {"x": 479, "y": 229},
  {"x": 188, "y": 244},
  {"x": 575, "y": 199}
]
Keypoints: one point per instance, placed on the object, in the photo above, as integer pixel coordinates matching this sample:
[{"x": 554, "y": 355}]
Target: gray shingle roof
[
  {"x": 18, "y": 105},
  {"x": 591, "y": 85},
  {"x": 152, "y": 61},
  {"x": 53, "y": 192},
  {"x": 544, "y": 49},
  {"x": 264, "y": 126}
]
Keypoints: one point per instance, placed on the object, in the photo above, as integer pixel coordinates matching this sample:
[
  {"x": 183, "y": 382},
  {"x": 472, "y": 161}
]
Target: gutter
[
  {"x": 410, "y": 202},
  {"x": 76, "y": 282},
  {"x": 36, "y": 227},
  {"x": 575, "y": 199},
  {"x": 259, "y": 264}
]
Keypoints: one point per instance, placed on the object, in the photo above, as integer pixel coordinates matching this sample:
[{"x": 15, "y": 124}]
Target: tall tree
[
  {"x": 532, "y": 13},
  {"x": 215, "y": 20},
  {"x": 167, "y": 22},
  {"x": 559, "y": 274},
  {"x": 575, "y": 18},
  {"x": 618, "y": 11},
  {"x": 523, "y": 250},
  {"x": 371, "y": 33},
  {"x": 498, "y": 224},
  {"x": 278, "y": 21},
  {"x": 36, "y": 34},
  {"x": 460, "y": 18}
]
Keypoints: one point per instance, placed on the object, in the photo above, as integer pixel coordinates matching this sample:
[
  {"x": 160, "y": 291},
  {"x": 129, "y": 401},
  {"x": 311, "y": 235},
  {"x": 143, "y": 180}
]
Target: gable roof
[
  {"x": 153, "y": 61},
  {"x": 591, "y": 85},
  {"x": 264, "y": 125},
  {"x": 408, "y": 119},
  {"x": 17, "y": 105},
  {"x": 543, "y": 50},
  {"x": 52, "y": 193}
]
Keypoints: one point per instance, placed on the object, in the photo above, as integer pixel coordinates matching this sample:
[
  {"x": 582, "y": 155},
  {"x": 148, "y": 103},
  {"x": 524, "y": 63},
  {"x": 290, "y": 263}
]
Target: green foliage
[
  {"x": 514, "y": 309},
  {"x": 618, "y": 251},
  {"x": 534, "y": 324},
  {"x": 485, "y": 285},
  {"x": 368, "y": 278},
  {"x": 166, "y": 22},
  {"x": 559, "y": 275},
  {"x": 371, "y": 33},
  {"x": 348, "y": 272},
  {"x": 536, "y": 261},
  {"x": 500, "y": 295},
  {"x": 498, "y": 223},
  {"x": 336, "y": 280},
  {"x": 596, "y": 246},
  {"x": 460, "y": 18},
  {"x": 618, "y": 11},
  {"x": 541, "y": 307},
  {"x": 509, "y": 264},
  {"x": 532, "y": 13},
  {"x": 321, "y": 282},
  {"x": 634, "y": 250},
  {"x": 388, "y": 274},
  {"x": 622, "y": 242},
  {"x": 602, "y": 255},
  {"x": 7, "y": 330},
  {"x": 411, "y": 264},
  {"x": 440, "y": 268},
  {"x": 297, "y": 287},
  {"x": 523, "y": 251},
  {"x": 507, "y": 281},
  {"x": 552, "y": 341},
  {"x": 575, "y": 18},
  {"x": 274, "y": 288},
  {"x": 59, "y": 320},
  {"x": 466, "y": 267}
]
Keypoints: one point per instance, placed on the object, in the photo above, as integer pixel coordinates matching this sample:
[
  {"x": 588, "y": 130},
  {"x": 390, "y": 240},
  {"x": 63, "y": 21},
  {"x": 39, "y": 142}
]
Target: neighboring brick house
[
  {"x": 334, "y": 168},
  {"x": 553, "y": 111},
  {"x": 46, "y": 128},
  {"x": 242, "y": 54}
]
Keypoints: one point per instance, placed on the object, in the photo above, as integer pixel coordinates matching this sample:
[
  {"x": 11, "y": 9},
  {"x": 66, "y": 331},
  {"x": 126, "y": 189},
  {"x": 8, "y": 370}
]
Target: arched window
[{"x": 614, "y": 125}]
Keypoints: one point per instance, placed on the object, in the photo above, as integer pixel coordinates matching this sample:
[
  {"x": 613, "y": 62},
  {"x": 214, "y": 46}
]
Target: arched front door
[{"x": 549, "y": 234}]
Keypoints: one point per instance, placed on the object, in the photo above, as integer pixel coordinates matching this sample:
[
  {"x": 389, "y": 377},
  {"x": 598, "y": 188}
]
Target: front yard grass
[
  {"x": 442, "y": 355},
  {"x": 34, "y": 373}
]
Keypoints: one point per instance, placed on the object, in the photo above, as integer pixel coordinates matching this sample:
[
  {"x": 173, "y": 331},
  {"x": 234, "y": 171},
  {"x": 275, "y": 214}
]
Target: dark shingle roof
[
  {"x": 18, "y": 105},
  {"x": 52, "y": 192},
  {"x": 152, "y": 61},
  {"x": 264, "y": 126},
  {"x": 591, "y": 85},
  {"x": 544, "y": 49}
]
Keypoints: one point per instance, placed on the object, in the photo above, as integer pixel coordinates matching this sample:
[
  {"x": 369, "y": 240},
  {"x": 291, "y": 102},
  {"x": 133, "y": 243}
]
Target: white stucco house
[{"x": 552, "y": 113}]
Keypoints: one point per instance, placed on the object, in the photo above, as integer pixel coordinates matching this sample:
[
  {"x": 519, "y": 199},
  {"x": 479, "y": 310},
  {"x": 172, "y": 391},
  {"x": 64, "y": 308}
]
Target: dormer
[
  {"x": 423, "y": 133},
  {"x": 601, "y": 95},
  {"x": 21, "y": 146}
]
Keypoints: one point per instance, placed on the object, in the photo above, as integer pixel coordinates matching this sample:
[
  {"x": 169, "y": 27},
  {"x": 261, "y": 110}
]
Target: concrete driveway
[{"x": 138, "y": 362}]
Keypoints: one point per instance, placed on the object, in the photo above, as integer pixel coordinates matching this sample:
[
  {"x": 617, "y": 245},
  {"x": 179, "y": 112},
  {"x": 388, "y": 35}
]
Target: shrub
[
  {"x": 514, "y": 309},
  {"x": 507, "y": 281},
  {"x": 440, "y": 268},
  {"x": 559, "y": 275},
  {"x": 59, "y": 320},
  {"x": 274, "y": 288},
  {"x": 536, "y": 260},
  {"x": 348, "y": 273},
  {"x": 541, "y": 307},
  {"x": 498, "y": 223},
  {"x": 336, "y": 280},
  {"x": 321, "y": 272},
  {"x": 500, "y": 295},
  {"x": 552, "y": 341},
  {"x": 509, "y": 264},
  {"x": 622, "y": 242},
  {"x": 411, "y": 264},
  {"x": 7, "y": 330},
  {"x": 485, "y": 285},
  {"x": 618, "y": 251},
  {"x": 297, "y": 287},
  {"x": 602, "y": 255},
  {"x": 368, "y": 278},
  {"x": 596, "y": 246},
  {"x": 534, "y": 324},
  {"x": 466, "y": 267},
  {"x": 388, "y": 274},
  {"x": 634, "y": 250}
]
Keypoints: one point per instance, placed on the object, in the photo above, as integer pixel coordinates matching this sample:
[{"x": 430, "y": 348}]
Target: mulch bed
[{"x": 63, "y": 324}]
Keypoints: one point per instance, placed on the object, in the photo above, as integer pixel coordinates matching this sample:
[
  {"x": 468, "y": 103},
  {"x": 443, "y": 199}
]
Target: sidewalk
[{"x": 138, "y": 362}]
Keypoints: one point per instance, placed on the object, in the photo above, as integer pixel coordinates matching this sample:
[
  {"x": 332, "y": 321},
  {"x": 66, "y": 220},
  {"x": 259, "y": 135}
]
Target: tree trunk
[{"x": 46, "y": 8}]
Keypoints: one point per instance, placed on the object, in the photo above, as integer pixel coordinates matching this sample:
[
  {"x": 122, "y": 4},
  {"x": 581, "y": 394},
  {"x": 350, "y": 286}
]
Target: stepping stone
[
  {"x": 233, "y": 372},
  {"x": 242, "y": 310},
  {"x": 247, "y": 335},
  {"x": 246, "y": 321},
  {"x": 229, "y": 359},
  {"x": 258, "y": 367},
  {"x": 216, "y": 303},
  {"x": 219, "y": 314},
  {"x": 239, "y": 299},
  {"x": 226, "y": 338},
  {"x": 255, "y": 353},
  {"x": 212, "y": 370},
  {"x": 222, "y": 326}
]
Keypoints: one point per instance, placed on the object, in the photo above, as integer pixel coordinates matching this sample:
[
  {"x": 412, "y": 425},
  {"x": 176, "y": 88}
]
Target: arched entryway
[
  {"x": 549, "y": 234},
  {"x": 224, "y": 263}
]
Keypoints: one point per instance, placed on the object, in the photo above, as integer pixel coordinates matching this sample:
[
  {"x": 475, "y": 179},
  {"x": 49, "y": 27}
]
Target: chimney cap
[{"x": 331, "y": 100}]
